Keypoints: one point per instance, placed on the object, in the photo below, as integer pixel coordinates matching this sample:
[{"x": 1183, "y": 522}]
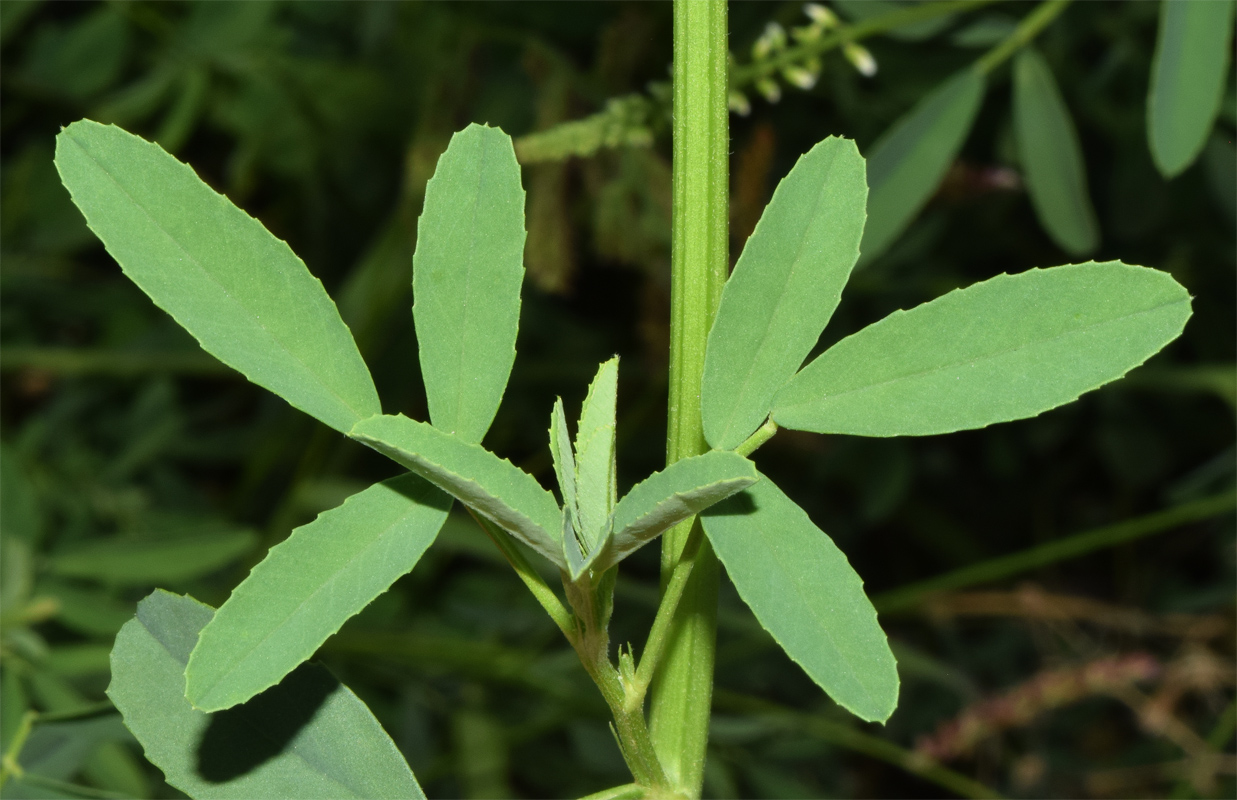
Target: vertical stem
[{"x": 682, "y": 693}]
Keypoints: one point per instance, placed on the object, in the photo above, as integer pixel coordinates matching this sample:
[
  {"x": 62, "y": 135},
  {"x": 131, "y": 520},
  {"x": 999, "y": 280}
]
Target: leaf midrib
[{"x": 257, "y": 320}]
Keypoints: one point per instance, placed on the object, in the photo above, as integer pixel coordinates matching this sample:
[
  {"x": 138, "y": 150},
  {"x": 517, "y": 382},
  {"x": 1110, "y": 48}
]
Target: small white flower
[{"x": 860, "y": 58}]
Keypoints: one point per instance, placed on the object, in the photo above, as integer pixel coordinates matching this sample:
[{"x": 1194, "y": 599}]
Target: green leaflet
[
  {"x": 596, "y": 488},
  {"x": 240, "y": 291},
  {"x": 1052, "y": 157},
  {"x": 665, "y": 498},
  {"x": 907, "y": 163},
  {"x": 783, "y": 290},
  {"x": 308, "y": 737},
  {"x": 804, "y": 592},
  {"x": 1188, "y": 74},
  {"x": 491, "y": 486},
  {"x": 560, "y": 453},
  {"x": 466, "y": 276},
  {"x": 309, "y": 585},
  {"x": 1007, "y": 348}
]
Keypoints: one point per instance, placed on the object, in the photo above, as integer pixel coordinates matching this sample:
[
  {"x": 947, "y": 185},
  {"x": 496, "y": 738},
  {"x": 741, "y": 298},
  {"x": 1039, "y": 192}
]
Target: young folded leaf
[
  {"x": 491, "y": 486},
  {"x": 560, "y": 453},
  {"x": 783, "y": 290},
  {"x": 1004, "y": 349},
  {"x": 907, "y": 163},
  {"x": 307, "y": 737},
  {"x": 1052, "y": 157},
  {"x": 242, "y": 293},
  {"x": 579, "y": 561},
  {"x": 466, "y": 276},
  {"x": 596, "y": 488},
  {"x": 668, "y": 497},
  {"x": 1188, "y": 74},
  {"x": 805, "y": 593},
  {"x": 309, "y": 585}
]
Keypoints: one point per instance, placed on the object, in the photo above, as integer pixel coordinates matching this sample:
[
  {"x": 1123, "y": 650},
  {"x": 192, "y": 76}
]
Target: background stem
[{"x": 682, "y": 692}]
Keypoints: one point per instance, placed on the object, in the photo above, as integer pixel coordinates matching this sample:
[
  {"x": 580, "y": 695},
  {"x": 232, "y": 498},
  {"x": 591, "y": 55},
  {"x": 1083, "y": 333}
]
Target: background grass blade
[
  {"x": 136, "y": 562},
  {"x": 1188, "y": 74},
  {"x": 665, "y": 498},
  {"x": 466, "y": 276},
  {"x": 1007, "y": 348},
  {"x": 473, "y": 475},
  {"x": 307, "y": 737},
  {"x": 240, "y": 291},
  {"x": 311, "y": 584},
  {"x": 805, "y": 593},
  {"x": 1052, "y": 157},
  {"x": 783, "y": 290},
  {"x": 907, "y": 163}
]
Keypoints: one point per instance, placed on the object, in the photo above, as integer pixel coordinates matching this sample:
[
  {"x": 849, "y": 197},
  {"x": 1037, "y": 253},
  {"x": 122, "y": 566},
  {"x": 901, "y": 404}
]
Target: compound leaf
[
  {"x": 783, "y": 290},
  {"x": 493, "y": 487},
  {"x": 1004, "y": 349},
  {"x": 907, "y": 163},
  {"x": 240, "y": 291},
  {"x": 805, "y": 593},
  {"x": 1052, "y": 157},
  {"x": 311, "y": 584},
  {"x": 130, "y": 562},
  {"x": 1188, "y": 75},
  {"x": 466, "y": 276},
  {"x": 595, "y": 479},
  {"x": 308, "y": 737},
  {"x": 666, "y": 498}
]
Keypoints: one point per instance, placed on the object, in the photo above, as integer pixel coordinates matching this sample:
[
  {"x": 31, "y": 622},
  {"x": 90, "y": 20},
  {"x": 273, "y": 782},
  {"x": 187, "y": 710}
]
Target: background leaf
[
  {"x": 240, "y": 291},
  {"x": 466, "y": 276},
  {"x": 311, "y": 584},
  {"x": 805, "y": 593},
  {"x": 1188, "y": 74},
  {"x": 308, "y": 737},
  {"x": 473, "y": 475},
  {"x": 136, "y": 562},
  {"x": 907, "y": 163},
  {"x": 783, "y": 290},
  {"x": 1052, "y": 157},
  {"x": 1007, "y": 348},
  {"x": 665, "y": 498}
]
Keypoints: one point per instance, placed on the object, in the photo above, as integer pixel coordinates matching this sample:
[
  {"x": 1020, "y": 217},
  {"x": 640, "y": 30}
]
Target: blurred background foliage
[{"x": 1059, "y": 591}]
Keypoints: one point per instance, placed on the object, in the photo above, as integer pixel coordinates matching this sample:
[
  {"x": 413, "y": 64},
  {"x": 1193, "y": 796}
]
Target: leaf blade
[
  {"x": 467, "y": 270},
  {"x": 784, "y": 288},
  {"x": 1188, "y": 74},
  {"x": 241, "y": 292},
  {"x": 908, "y": 161},
  {"x": 309, "y": 585},
  {"x": 285, "y": 743},
  {"x": 665, "y": 498},
  {"x": 495, "y": 488},
  {"x": 1052, "y": 157},
  {"x": 1003, "y": 349},
  {"x": 805, "y": 593},
  {"x": 596, "y": 485}
]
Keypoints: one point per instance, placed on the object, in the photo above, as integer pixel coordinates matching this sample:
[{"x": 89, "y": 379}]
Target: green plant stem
[
  {"x": 655, "y": 645},
  {"x": 540, "y": 589},
  {"x": 8, "y": 765},
  {"x": 1027, "y": 29},
  {"x": 682, "y": 691},
  {"x": 1079, "y": 544},
  {"x": 872, "y": 26},
  {"x": 628, "y": 791},
  {"x": 763, "y": 434},
  {"x": 845, "y": 735}
]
